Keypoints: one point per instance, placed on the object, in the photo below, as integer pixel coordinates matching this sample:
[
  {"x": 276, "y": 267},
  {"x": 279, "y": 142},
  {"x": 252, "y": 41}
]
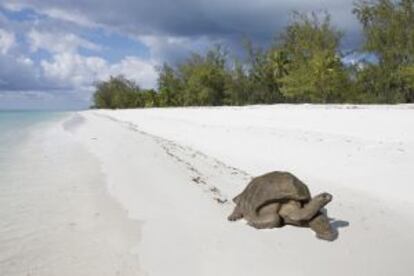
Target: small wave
[{"x": 73, "y": 123}]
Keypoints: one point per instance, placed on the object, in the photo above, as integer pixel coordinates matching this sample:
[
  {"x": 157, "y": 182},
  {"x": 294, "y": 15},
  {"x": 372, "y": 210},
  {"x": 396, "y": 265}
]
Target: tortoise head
[{"x": 323, "y": 198}]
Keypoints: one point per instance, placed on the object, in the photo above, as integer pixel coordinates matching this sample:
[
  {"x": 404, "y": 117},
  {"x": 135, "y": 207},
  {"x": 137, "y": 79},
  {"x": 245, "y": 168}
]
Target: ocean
[{"x": 15, "y": 128}]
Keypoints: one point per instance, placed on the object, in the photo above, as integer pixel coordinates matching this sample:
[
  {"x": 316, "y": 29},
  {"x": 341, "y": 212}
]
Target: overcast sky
[{"x": 52, "y": 51}]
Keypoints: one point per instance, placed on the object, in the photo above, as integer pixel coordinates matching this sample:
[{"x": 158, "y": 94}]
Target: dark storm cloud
[{"x": 230, "y": 19}]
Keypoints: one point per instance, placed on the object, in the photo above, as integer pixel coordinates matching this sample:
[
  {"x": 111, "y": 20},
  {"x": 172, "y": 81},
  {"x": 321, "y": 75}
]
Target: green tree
[
  {"x": 237, "y": 86},
  {"x": 388, "y": 28},
  {"x": 407, "y": 74},
  {"x": 204, "y": 78},
  {"x": 117, "y": 92},
  {"x": 315, "y": 73},
  {"x": 151, "y": 98},
  {"x": 169, "y": 87},
  {"x": 265, "y": 87}
]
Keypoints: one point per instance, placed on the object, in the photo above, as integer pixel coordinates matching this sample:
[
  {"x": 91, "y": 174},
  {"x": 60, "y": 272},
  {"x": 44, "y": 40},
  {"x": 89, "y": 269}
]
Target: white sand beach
[{"x": 147, "y": 192}]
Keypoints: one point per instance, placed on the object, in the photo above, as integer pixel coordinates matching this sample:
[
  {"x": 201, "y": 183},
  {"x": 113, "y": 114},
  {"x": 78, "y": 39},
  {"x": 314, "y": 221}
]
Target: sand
[{"x": 166, "y": 178}]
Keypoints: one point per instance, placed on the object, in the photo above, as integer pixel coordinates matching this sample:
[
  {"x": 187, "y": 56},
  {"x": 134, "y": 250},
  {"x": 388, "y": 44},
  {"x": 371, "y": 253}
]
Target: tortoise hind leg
[
  {"x": 267, "y": 217},
  {"x": 236, "y": 215},
  {"x": 321, "y": 226}
]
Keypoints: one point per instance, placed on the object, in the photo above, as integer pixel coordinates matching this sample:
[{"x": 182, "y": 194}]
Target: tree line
[{"x": 304, "y": 64}]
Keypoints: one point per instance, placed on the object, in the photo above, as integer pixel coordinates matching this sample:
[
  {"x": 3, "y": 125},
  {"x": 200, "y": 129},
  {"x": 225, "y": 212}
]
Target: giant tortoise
[{"x": 278, "y": 198}]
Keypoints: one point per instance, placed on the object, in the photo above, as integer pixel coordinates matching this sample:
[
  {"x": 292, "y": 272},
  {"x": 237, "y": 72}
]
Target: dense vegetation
[{"x": 304, "y": 64}]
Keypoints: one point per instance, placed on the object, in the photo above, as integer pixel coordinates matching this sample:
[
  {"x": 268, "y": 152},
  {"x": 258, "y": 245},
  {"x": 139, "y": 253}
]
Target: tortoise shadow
[{"x": 336, "y": 224}]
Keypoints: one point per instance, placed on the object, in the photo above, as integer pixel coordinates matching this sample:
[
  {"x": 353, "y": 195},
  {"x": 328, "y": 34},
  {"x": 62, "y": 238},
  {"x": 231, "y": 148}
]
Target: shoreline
[{"x": 56, "y": 215}]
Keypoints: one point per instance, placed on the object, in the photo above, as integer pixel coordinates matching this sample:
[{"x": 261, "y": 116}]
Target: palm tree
[{"x": 279, "y": 63}]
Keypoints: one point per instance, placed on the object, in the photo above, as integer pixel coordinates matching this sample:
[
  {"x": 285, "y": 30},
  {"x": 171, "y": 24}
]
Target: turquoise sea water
[{"x": 15, "y": 126}]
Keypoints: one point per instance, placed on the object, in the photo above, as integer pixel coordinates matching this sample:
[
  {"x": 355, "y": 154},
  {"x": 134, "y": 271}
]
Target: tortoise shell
[{"x": 272, "y": 187}]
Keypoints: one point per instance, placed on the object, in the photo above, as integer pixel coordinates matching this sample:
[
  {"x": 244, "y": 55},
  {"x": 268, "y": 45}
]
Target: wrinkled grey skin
[{"x": 279, "y": 198}]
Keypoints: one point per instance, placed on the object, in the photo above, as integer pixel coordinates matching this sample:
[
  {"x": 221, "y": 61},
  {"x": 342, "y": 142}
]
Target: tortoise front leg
[
  {"x": 321, "y": 226},
  {"x": 236, "y": 215}
]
